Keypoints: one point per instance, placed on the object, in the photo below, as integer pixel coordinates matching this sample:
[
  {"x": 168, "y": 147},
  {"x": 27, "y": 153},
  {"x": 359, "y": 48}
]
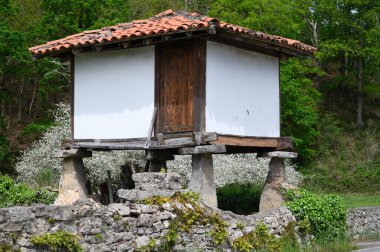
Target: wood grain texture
[
  {"x": 245, "y": 141},
  {"x": 199, "y": 85},
  {"x": 175, "y": 87},
  {"x": 72, "y": 76}
]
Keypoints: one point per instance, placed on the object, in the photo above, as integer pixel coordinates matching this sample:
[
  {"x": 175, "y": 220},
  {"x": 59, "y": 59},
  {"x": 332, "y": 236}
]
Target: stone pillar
[
  {"x": 202, "y": 178},
  {"x": 271, "y": 196},
  {"x": 72, "y": 185}
]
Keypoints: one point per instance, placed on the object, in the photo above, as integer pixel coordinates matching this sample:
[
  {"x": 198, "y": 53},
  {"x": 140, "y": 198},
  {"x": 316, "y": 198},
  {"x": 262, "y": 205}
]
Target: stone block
[
  {"x": 138, "y": 195},
  {"x": 148, "y": 181},
  {"x": 60, "y": 213},
  {"x": 19, "y": 214},
  {"x": 145, "y": 220},
  {"x": 11, "y": 227},
  {"x": 120, "y": 208},
  {"x": 142, "y": 241}
]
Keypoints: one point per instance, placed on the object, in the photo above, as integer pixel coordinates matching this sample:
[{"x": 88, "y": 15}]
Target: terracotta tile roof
[{"x": 165, "y": 23}]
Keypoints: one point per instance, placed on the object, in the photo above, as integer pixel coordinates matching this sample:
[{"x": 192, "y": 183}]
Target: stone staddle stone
[
  {"x": 271, "y": 196},
  {"x": 202, "y": 179},
  {"x": 72, "y": 185}
]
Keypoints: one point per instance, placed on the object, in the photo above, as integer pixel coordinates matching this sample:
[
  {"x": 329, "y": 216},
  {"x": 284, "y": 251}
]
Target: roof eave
[
  {"x": 121, "y": 44},
  {"x": 253, "y": 42}
]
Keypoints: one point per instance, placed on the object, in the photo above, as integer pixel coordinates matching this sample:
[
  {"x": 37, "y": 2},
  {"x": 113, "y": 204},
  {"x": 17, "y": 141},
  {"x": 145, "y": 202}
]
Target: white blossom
[
  {"x": 41, "y": 155},
  {"x": 238, "y": 168}
]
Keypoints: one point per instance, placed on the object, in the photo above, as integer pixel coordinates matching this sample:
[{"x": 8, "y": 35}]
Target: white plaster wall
[
  {"x": 114, "y": 93},
  {"x": 242, "y": 92}
]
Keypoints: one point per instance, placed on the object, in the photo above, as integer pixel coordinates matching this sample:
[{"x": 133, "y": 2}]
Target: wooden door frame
[{"x": 199, "y": 85}]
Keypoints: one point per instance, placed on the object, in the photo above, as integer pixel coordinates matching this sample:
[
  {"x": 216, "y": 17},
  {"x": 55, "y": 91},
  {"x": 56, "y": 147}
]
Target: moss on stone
[{"x": 58, "y": 240}]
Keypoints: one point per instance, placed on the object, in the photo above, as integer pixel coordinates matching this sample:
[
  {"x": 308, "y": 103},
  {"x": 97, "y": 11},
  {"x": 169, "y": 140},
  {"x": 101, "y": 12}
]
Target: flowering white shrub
[
  {"x": 237, "y": 168},
  {"x": 39, "y": 159}
]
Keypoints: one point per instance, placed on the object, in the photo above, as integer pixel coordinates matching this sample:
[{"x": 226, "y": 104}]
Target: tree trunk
[
  {"x": 19, "y": 112},
  {"x": 32, "y": 101},
  {"x": 312, "y": 24},
  {"x": 359, "y": 116}
]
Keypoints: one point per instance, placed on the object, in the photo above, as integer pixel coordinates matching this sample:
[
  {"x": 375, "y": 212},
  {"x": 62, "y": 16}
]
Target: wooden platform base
[{"x": 176, "y": 143}]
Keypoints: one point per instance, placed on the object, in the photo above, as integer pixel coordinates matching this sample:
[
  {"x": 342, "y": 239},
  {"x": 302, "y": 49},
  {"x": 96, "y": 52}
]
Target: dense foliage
[
  {"x": 325, "y": 213},
  {"x": 240, "y": 198},
  {"x": 13, "y": 194}
]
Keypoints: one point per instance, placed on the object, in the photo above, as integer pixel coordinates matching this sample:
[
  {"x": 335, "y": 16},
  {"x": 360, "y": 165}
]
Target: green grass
[{"x": 360, "y": 200}]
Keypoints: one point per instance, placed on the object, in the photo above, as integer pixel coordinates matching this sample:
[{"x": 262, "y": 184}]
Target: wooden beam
[
  {"x": 126, "y": 44},
  {"x": 281, "y": 154},
  {"x": 203, "y": 149},
  {"x": 77, "y": 50},
  {"x": 147, "y": 41},
  {"x": 73, "y": 153},
  {"x": 285, "y": 144},
  {"x": 233, "y": 140}
]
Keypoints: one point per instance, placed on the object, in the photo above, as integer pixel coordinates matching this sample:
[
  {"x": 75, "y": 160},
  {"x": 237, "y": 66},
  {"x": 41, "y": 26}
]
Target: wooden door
[{"x": 175, "y": 87}]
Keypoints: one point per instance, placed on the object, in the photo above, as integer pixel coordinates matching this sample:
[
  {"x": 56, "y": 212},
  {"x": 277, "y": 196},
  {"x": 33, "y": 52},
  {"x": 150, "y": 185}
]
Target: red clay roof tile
[{"x": 163, "y": 23}]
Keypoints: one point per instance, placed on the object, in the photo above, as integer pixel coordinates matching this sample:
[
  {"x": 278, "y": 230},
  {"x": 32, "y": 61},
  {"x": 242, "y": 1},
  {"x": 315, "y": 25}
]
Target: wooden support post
[
  {"x": 109, "y": 185},
  {"x": 202, "y": 178},
  {"x": 72, "y": 185},
  {"x": 157, "y": 160},
  {"x": 156, "y": 165}
]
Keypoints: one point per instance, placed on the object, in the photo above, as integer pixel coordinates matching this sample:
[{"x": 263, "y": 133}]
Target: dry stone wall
[
  {"x": 364, "y": 222},
  {"x": 121, "y": 226},
  {"x": 129, "y": 226}
]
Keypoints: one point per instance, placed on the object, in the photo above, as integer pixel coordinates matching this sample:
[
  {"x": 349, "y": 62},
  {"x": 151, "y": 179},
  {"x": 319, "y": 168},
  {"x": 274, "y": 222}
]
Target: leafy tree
[
  {"x": 299, "y": 104},
  {"x": 261, "y": 15},
  {"x": 351, "y": 39}
]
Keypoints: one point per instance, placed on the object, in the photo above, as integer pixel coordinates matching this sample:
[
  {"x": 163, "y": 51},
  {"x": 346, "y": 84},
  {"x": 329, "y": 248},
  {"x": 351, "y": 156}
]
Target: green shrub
[
  {"x": 13, "y": 194},
  {"x": 325, "y": 213},
  {"x": 240, "y": 199},
  {"x": 36, "y": 128}
]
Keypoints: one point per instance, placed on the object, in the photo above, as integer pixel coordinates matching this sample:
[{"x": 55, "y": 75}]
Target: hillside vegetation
[{"x": 330, "y": 103}]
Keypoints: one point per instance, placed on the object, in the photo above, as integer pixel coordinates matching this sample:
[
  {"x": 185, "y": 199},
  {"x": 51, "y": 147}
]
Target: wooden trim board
[
  {"x": 233, "y": 143},
  {"x": 245, "y": 141}
]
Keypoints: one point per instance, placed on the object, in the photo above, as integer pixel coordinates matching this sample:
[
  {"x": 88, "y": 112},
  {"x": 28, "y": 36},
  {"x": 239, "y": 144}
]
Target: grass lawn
[{"x": 360, "y": 200}]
